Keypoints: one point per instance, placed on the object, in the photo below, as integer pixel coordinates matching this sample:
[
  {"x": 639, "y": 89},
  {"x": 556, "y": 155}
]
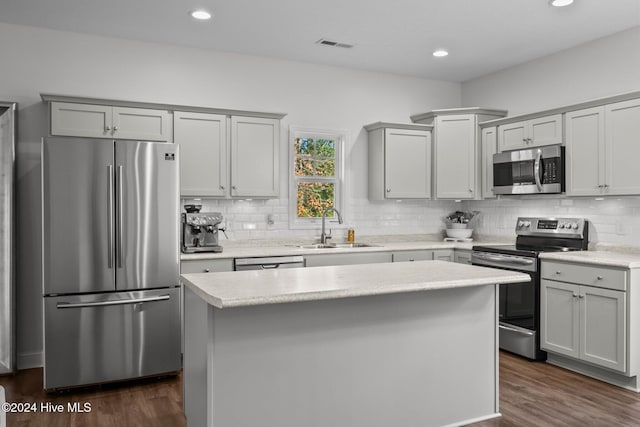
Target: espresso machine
[{"x": 200, "y": 230}]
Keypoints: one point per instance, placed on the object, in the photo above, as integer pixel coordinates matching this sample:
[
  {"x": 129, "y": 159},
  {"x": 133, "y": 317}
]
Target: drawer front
[
  {"x": 206, "y": 266},
  {"x": 405, "y": 256},
  {"x": 602, "y": 277}
]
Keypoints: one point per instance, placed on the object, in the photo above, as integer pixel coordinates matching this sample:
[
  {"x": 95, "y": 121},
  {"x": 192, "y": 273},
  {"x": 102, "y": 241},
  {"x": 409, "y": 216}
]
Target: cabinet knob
[
  {"x": 206, "y": 270},
  {"x": 411, "y": 259},
  {"x": 599, "y": 277},
  {"x": 580, "y": 296},
  {"x": 557, "y": 272},
  {"x": 576, "y": 296},
  {"x": 233, "y": 187},
  {"x": 470, "y": 190},
  {"x": 115, "y": 128},
  {"x": 107, "y": 128},
  {"x": 388, "y": 190},
  {"x": 222, "y": 187}
]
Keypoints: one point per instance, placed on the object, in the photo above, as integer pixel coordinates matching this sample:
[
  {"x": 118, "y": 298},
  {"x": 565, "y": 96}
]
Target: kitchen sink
[{"x": 336, "y": 246}]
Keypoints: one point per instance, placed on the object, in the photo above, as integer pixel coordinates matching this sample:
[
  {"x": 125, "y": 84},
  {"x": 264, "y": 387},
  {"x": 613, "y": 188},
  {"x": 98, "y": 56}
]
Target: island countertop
[{"x": 246, "y": 288}]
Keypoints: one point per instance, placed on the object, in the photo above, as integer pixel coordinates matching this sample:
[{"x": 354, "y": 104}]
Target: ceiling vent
[{"x": 334, "y": 44}]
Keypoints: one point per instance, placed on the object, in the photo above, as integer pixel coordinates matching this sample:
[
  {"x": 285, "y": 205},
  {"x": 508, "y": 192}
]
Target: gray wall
[{"x": 604, "y": 67}]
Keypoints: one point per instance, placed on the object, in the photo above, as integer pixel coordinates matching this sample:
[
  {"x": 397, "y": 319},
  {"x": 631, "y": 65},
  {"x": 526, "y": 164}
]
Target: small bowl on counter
[{"x": 459, "y": 233}]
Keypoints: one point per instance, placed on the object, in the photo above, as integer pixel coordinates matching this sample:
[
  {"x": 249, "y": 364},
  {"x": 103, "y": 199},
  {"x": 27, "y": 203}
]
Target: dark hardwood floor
[
  {"x": 148, "y": 402},
  {"x": 531, "y": 394}
]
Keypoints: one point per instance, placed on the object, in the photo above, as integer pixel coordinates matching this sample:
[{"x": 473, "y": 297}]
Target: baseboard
[
  {"x": 30, "y": 360},
  {"x": 629, "y": 383},
  {"x": 475, "y": 420}
]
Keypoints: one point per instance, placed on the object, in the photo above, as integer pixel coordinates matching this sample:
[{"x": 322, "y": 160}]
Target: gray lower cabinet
[
  {"x": 462, "y": 256},
  {"x": 347, "y": 259},
  {"x": 584, "y": 314},
  {"x": 408, "y": 256},
  {"x": 443, "y": 255},
  {"x": 206, "y": 266}
]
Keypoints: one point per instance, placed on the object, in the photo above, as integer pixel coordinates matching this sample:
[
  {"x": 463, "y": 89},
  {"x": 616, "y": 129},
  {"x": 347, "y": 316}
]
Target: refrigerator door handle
[
  {"x": 114, "y": 302},
  {"x": 110, "y": 178},
  {"x": 119, "y": 231}
]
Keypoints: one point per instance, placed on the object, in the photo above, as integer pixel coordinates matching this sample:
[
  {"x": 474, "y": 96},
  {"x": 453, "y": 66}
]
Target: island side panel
[
  {"x": 194, "y": 369},
  {"x": 421, "y": 358}
]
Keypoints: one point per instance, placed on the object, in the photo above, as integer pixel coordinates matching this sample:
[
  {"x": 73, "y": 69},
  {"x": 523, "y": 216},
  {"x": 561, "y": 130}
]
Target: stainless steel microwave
[{"x": 532, "y": 171}]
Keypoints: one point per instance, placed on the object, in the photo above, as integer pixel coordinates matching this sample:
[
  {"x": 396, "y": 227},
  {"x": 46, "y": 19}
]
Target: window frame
[{"x": 339, "y": 137}]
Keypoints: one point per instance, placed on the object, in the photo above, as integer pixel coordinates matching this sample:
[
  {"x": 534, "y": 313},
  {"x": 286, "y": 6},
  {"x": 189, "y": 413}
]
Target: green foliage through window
[{"x": 315, "y": 173}]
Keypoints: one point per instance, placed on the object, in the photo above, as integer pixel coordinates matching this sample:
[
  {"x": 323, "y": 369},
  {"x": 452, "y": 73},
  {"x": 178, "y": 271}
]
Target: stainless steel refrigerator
[
  {"x": 8, "y": 111},
  {"x": 110, "y": 238}
]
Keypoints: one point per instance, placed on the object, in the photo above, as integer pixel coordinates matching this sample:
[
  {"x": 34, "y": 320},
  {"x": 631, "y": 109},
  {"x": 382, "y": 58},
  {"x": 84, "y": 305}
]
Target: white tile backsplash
[{"x": 613, "y": 220}]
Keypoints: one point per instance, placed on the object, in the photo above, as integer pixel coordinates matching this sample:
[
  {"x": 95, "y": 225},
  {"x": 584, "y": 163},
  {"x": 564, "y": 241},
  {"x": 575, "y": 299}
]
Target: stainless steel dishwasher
[{"x": 268, "y": 263}]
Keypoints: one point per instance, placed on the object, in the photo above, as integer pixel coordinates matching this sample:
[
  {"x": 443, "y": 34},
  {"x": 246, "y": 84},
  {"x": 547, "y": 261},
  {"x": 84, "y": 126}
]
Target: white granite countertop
[
  {"x": 597, "y": 257},
  {"x": 259, "y": 287},
  {"x": 286, "y": 249}
]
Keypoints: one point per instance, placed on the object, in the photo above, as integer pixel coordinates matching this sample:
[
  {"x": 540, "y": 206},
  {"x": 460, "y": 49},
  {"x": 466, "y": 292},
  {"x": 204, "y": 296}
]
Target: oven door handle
[
  {"x": 504, "y": 259},
  {"x": 520, "y": 331},
  {"x": 536, "y": 170}
]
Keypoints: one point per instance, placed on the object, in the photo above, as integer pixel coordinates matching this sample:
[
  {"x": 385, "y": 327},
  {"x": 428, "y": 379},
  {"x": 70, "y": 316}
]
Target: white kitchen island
[{"x": 402, "y": 344}]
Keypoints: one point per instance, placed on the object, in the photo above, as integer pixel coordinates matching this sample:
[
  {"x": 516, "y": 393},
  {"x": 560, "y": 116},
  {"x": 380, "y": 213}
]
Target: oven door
[{"x": 518, "y": 304}]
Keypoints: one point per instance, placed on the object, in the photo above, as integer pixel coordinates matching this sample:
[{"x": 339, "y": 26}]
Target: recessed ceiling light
[
  {"x": 200, "y": 15},
  {"x": 560, "y": 3},
  {"x": 440, "y": 53}
]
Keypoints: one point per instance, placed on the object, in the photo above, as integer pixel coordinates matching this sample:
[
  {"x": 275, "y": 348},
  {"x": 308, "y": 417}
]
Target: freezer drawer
[{"x": 112, "y": 336}]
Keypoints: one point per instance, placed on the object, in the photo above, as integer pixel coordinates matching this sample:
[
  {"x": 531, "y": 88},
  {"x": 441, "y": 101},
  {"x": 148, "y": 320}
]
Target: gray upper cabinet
[
  {"x": 622, "y": 147},
  {"x": 255, "y": 146},
  {"x": 203, "y": 144},
  {"x": 535, "y": 132},
  {"x": 456, "y": 150},
  {"x": 456, "y": 154},
  {"x": 489, "y": 148},
  {"x": 585, "y": 174},
  {"x": 104, "y": 121},
  {"x": 228, "y": 156},
  {"x": 602, "y": 150},
  {"x": 399, "y": 161}
]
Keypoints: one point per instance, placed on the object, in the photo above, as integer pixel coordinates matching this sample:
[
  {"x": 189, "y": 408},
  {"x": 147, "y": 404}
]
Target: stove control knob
[
  {"x": 520, "y": 224},
  {"x": 527, "y": 224},
  {"x": 574, "y": 225},
  {"x": 561, "y": 225}
]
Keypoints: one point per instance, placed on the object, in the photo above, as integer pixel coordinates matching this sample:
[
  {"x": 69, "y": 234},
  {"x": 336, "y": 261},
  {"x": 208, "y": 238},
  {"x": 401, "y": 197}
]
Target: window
[{"x": 316, "y": 174}]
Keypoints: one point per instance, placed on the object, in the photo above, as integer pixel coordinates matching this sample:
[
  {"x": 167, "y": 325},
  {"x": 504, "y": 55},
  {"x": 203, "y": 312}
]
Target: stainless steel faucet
[{"x": 324, "y": 236}]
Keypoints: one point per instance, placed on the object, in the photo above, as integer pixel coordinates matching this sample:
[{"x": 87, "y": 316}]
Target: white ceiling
[{"x": 397, "y": 36}]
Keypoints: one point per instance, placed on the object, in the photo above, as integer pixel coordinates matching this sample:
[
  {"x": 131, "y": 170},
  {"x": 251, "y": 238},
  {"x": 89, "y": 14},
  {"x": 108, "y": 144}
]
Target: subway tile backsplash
[{"x": 614, "y": 220}]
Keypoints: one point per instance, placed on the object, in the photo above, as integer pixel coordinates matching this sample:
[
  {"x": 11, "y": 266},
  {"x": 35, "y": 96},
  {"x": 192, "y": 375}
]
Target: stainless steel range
[{"x": 519, "y": 303}]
